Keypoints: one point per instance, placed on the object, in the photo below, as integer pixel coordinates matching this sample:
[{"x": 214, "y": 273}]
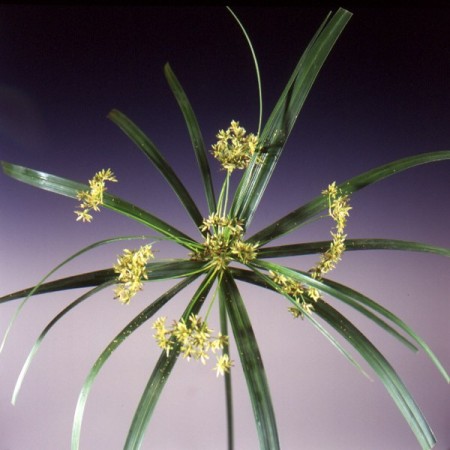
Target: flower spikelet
[
  {"x": 338, "y": 209},
  {"x": 295, "y": 290},
  {"x": 224, "y": 364},
  {"x": 194, "y": 337},
  {"x": 93, "y": 198},
  {"x": 224, "y": 242},
  {"x": 131, "y": 267},
  {"x": 162, "y": 334},
  {"x": 235, "y": 149},
  {"x": 243, "y": 251}
]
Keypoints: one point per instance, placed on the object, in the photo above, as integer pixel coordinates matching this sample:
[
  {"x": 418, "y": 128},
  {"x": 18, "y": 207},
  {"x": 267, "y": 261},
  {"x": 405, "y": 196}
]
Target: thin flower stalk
[{"x": 131, "y": 270}]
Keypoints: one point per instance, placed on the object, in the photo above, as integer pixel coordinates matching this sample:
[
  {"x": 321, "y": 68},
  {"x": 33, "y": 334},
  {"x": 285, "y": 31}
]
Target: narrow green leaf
[
  {"x": 73, "y": 282},
  {"x": 304, "y": 213},
  {"x": 376, "y": 360},
  {"x": 42, "y": 280},
  {"x": 140, "y": 319},
  {"x": 195, "y": 134},
  {"x": 69, "y": 188},
  {"x": 383, "y": 369},
  {"x": 252, "y": 365},
  {"x": 283, "y": 117},
  {"x": 354, "y": 298},
  {"x": 45, "y": 331},
  {"x": 227, "y": 376},
  {"x": 159, "y": 270},
  {"x": 267, "y": 282},
  {"x": 154, "y": 155},
  {"x": 310, "y": 248},
  {"x": 161, "y": 373}
]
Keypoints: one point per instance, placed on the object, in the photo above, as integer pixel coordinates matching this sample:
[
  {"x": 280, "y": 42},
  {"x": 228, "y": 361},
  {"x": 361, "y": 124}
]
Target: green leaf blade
[
  {"x": 227, "y": 375},
  {"x": 139, "y": 320},
  {"x": 283, "y": 117},
  {"x": 46, "y": 330},
  {"x": 195, "y": 135},
  {"x": 155, "y": 271},
  {"x": 392, "y": 382},
  {"x": 251, "y": 363},
  {"x": 354, "y": 298},
  {"x": 304, "y": 213},
  {"x": 68, "y": 188},
  {"x": 33, "y": 290},
  {"x": 161, "y": 373},
  {"x": 154, "y": 155},
  {"x": 360, "y": 302},
  {"x": 266, "y": 282},
  {"x": 371, "y": 354},
  {"x": 311, "y": 248}
]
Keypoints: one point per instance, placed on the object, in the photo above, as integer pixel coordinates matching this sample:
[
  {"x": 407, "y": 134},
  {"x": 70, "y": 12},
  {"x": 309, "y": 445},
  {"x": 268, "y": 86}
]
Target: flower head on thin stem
[
  {"x": 224, "y": 364},
  {"x": 224, "y": 242},
  {"x": 296, "y": 291},
  {"x": 194, "y": 338},
  {"x": 93, "y": 198},
  {"x": 235, "y": 149},
  {"x": 131, "y": 267}
]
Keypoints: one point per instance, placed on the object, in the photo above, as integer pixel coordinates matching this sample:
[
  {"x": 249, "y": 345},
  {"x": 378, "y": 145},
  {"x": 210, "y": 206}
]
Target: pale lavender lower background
[{"x": 382, "y": 95}]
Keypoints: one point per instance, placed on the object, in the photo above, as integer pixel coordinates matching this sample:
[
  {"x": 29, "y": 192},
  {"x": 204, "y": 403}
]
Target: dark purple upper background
[{"x": 383, "y": 94}]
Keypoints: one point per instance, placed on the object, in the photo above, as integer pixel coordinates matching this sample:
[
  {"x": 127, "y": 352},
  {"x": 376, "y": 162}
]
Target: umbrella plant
[{"x": 223, "y": 255}]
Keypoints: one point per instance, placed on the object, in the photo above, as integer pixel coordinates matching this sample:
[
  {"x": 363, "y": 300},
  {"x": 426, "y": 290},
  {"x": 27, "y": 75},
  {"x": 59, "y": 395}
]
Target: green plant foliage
[{"x": 225, "y": 254}]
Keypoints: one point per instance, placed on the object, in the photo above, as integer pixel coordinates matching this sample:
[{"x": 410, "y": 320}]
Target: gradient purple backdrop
[{"x": 383, "y": 94}]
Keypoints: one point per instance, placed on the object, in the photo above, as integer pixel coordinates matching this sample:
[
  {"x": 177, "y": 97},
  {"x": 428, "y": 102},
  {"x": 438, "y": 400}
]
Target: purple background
[{"x": 383, "y": 94}]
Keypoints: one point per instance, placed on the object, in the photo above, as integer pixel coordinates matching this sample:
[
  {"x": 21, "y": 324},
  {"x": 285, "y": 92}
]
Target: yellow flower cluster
[
  {"x": 131, "y": 267},
  {"x": 298, "y": 292},
  {"x": 338, "y": 209},
  {"x": 224, "y": 242},
  {"x": 234, "y": 148},
  {"x": 92, "y": 199},
  {"x": 195, "y": 341},
  {"x": 216, "y": 222}
]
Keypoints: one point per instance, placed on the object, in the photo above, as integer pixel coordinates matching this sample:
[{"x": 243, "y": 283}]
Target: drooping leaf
[
  {"x": 375, "y": 359},
  {"x": 354, "y": 298},
  {"x": 42, "y": 280},
  {"x": 46, "y": 330},
  {"x": 392, "y": 382},
  {"x": 127, "y": 331},
  {"x": 359, "y": 302},
  {"x": 265, "y": 281}
]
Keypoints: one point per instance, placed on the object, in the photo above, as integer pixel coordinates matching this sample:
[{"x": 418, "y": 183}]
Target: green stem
[
  {"x": 227, "y": 377},
  {"x": 223, "y": 197},
  {"x": 214, "y": 296},
  {"x": 258, "y": 76}
]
